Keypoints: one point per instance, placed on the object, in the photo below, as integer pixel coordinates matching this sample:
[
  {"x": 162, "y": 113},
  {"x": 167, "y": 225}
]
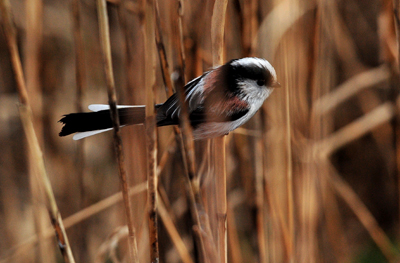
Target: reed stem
[{"x": 112, "y": 100}]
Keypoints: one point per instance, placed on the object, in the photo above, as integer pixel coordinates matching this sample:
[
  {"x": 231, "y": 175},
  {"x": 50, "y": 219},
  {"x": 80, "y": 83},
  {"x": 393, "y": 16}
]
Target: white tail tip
[{"x": 81, "y": 135}]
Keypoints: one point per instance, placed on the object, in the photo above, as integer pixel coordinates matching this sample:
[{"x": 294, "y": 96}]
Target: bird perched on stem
[{"x": 219, "y": 101}]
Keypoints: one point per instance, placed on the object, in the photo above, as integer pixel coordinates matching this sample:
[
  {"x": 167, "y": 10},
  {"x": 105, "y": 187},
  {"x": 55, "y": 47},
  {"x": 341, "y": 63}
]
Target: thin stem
[
  {"x": 217, "y": 38},
  {"x": 151, "y": 134},
  {"x": 184, "y": 139},
  {"x": 80, "y": 80},
  {"x": 289, "y": 175},
  {"x": 112, "y": 99}
]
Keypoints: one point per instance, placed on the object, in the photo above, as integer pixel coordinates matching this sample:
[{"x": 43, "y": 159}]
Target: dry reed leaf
[{"x": 351, "y": 87}]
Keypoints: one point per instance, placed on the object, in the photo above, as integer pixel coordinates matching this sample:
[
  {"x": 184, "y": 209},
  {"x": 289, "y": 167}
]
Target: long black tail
[{"x": 100, "y": 120}]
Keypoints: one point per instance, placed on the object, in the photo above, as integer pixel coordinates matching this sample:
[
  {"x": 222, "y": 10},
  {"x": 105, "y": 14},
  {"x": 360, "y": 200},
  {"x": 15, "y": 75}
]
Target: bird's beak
[{"x": 276, "y": 84}]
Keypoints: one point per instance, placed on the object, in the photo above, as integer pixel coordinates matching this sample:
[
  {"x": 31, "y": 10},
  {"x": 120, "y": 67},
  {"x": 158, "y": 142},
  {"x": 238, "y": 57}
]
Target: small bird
[{"x": 219, "y": 101}]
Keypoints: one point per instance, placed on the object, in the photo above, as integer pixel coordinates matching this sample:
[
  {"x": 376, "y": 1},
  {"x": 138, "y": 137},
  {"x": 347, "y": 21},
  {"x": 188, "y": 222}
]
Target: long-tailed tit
[{"x": 219, "y": 101}]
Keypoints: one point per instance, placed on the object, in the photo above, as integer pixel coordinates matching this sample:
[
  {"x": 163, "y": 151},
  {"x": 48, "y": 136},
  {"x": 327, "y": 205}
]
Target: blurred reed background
[{"x": 313, "y": 177}]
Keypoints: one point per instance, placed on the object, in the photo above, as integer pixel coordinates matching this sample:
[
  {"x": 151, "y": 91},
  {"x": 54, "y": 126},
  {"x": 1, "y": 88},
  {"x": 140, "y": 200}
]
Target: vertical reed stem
[
  {"x": 217, "y": 38},
  {"x": 112, "y": 99},
  {"x": 260, "y": 198},
  {"x": 151, "y": 134},
  {"x": 32, "y": 63},
  {"x": 289, "y": 175},
  {"x": 220, "y": 176},
  {"x": 185, "y": 138},
  {"x": 80, "y": 86}
]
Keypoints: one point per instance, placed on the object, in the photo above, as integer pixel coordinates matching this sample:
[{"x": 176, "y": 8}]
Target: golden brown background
[{"x": 313, "y": 177}]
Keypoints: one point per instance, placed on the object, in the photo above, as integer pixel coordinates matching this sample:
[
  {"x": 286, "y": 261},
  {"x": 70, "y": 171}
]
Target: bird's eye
[{"x": 260, "y": 82}]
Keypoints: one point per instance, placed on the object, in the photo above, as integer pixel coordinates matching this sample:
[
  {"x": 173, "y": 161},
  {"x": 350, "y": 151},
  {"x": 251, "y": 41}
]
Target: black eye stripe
[{"x": 260, "y": 82}]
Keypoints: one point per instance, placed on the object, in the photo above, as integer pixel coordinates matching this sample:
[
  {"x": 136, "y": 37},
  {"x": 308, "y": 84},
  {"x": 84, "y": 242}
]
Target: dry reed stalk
[
  {"x": 112, "y": 100},
  {"x": 169, "y": 90},
  {"x": 249, "y": 26},
  {"x": 35, "y": 153},
  {"x": 152, "y": 187},
  {"x": 164, "y": 63},
  {"x": 221, "y": 201},
  {"x": 33, "y": 63},
  {"x": 162, "y": 55},
  {"x": 260, "y": 197},
  {"x": 179, "y": 42},
  {"x": 44, "y": 253},
  {"x": 217, "y": 31},
  {"x": 173, "y": 233},
  {"x": 217, "y": 39},
  {"x": 344, "y": 190},
  {"x": 34, "y": 39},
  {"x": 289, "y": 173},
  {"x": 135, "y": 150},
  {"x": 151, "y": 132},
  {"x": 80, "y": 79},
  {"x": 201, "y": 221}
]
